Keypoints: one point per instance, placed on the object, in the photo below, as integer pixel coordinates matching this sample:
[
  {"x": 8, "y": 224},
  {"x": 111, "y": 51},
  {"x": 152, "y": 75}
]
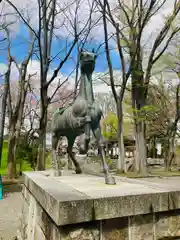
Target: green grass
[
  {"x": 149, "y": 174},
  {"x": 25, "y": 165},
  {"x": 157, "y": 172},
  {"x": 48, "y": 160},
  {"x": 4, "y": 159},
  {"x": 153, "y": 172},
  {"x": 160, "y": 172}
]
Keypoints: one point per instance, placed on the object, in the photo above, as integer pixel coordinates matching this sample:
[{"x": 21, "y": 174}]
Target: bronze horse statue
[{"x": 80, "y": 117}]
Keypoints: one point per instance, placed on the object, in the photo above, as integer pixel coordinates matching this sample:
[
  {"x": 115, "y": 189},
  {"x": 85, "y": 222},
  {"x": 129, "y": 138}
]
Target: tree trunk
[
  {"x": 140, "y": 158},
  {"x": 42, "y": 144},
  {"x": 11, "y": 169},
  {"x": 3, "y": 106},
  {"x": 171, "y": 133},
  {"x": 138, "y": 102},
  {"x": 121, "y": 156},
  {"x": 107, "y": 149},
  {"x": 23, "y": 93},
  {"x": 169, "y": 151},
  {"x": 41, "y": 150},
  {"x": 42, "y": 131},
  {"x": 2, "y": 118},
  {"x": 154, "y": 148}
]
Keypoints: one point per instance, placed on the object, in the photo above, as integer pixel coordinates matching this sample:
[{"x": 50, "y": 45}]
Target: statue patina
[{"x": 81, "y": 117}]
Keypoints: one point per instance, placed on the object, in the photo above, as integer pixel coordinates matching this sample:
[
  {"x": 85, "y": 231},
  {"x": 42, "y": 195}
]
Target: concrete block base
[{"x": 82, "y": 207}]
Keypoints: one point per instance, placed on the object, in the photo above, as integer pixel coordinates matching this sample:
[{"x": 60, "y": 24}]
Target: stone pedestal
[{"x": 82, "y": 207}]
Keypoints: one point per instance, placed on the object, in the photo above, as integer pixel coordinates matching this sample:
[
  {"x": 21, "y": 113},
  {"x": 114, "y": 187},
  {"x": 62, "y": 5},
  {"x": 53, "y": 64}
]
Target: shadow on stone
[
  {"x": 115, "y": 228},
  {"x": 12, "y": 188}
]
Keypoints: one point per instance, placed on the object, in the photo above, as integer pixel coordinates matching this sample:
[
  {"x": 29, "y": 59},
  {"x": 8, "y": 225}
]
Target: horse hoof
[
  {"x": 56, "y": 173},
  {"x": 110, "y": 180},
  {"x": 78, "y": 171}
]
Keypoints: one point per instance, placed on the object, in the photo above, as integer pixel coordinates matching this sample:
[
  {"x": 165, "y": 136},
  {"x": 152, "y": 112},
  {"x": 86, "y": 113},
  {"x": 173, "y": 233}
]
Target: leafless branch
[
  {"x": 161, "y": 36},
  {"x": 107, "y": 52},
  {"x": 58, "y": 87},
  {"x": 55, "y": 73},
  {"x": 21, "y": 16}
]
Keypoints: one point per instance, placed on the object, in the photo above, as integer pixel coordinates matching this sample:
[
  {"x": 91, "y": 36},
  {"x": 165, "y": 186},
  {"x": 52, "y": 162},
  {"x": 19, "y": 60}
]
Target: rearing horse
[{"x": 81, "y": 117}]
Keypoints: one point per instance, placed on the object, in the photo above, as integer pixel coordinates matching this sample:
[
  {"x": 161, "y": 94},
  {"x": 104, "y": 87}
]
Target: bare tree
[
  {"x": 47, "y": 15},
  {"x": 4, "y": 100},
  {"x": 172, "y": 128},
  {"x": 31, "y": 113},
  {"x": 172, "y": 65},
  {"x": 107, "y": 105},
  {"x": 106, "y": 102},
  {"x": 129, "y": 21},
  {"x": 118, "y": 95},
  {"x": 16, "y": 107},
  {"x": 164, "y": 100}
]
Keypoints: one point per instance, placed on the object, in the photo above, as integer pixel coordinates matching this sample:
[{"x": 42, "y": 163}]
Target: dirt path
[{"x": 10, "y": 211}]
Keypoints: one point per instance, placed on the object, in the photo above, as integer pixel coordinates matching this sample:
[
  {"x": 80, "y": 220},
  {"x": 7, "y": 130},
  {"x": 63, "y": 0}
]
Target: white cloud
[
  {"x": 66, "y": 10},
  {"x": 65, "y": 15},
  {"x": 34, "y": 68},
  {"x": 14, "y": 71},
  {"x": 168, "y": 77},
  {"x": 156, "y": 22},
  {"x": 30, "y": 9},
  {"x": 102, "y": 88},
  {"x": 3, "y": 68}
]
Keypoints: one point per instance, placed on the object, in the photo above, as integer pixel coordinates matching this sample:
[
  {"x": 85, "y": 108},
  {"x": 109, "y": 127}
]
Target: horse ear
[{"x": 93, "y": 50}]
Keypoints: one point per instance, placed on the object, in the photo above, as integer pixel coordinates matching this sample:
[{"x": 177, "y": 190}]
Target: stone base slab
[{"x": 82, "y": 207}]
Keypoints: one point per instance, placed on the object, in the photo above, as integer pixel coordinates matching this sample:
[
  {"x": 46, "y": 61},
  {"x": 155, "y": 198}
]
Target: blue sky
[{"x": 19, "y": 50}]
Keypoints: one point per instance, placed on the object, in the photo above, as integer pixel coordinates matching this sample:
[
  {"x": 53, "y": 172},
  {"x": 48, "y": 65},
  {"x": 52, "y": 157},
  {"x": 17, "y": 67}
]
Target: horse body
[
  {"x": 81, "y": 117},
  {"x": 67, "y": 121}
]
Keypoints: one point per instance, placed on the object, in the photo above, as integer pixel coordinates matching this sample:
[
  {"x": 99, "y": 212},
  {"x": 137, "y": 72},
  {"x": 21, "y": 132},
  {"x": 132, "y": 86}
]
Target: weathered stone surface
[
  {"x": 81, "y": 198},
  {"x": 86, "y": 231},
  {"x": 36, "y": 224},
  {"x": 84, "y": 208},
  {"x": 76, "y": 233},
  {"x": 59, "y": 200},
  {"x": 168, "y": 184},
  {"x": 38, "y": 233},
  {"x": 130, "y": 205},
  {"x": 167, "y": 224},
  {"x": 24, "y": 220},
  {"x": 113, "y": 229},
  {"x": 141, "y": 227}
]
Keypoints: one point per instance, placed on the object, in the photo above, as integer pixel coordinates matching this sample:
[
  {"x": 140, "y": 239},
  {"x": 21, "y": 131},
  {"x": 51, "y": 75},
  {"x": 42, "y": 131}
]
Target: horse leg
[
  {"x": 84, "y": 144},
  {"x": 70, "y": 166},
  {"x": 85, "y": 148},
  {"x": 55, "y": 165},
  {"x": 87, "y": 133},
  {"x": 109, "y": 179},
  {"x": 72, "y": 156}
]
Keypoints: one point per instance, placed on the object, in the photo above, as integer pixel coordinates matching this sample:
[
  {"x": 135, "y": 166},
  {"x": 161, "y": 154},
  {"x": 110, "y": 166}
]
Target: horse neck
[{"x": 86, "y": 89}]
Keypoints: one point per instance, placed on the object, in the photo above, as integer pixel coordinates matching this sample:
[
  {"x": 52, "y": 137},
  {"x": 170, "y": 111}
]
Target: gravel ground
[{"x": 10, "y": 212}]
